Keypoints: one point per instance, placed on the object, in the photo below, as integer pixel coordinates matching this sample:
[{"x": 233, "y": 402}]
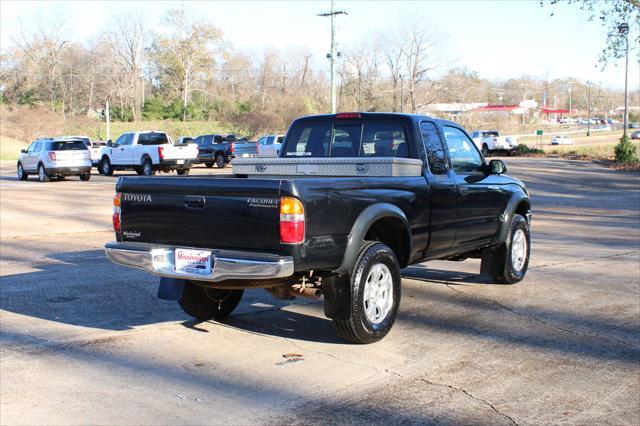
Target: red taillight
[
  {"x": 348, "y": 115},
  {"x": 232, "y": 148},
  {"x": 292, "y": 221},
  {"x": 161, "y": 152},
  {"x": 52, "y": 155},
  {"x": 116, "y": 212}
]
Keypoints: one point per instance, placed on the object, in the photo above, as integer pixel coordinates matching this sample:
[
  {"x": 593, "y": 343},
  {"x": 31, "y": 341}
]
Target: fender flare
[
  {"x": 360, "y": 227},
  {"x": 143, "y": 156},
  {"x": 507, "y": 215}
]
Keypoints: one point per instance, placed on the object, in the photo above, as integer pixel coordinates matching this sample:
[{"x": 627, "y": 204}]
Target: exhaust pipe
[{"x": 309, "y": 292}]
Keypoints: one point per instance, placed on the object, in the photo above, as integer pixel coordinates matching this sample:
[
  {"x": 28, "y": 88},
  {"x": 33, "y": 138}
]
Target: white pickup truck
[
  {"x": 146, "y": 152},
  {"x": 489, "y": 141}
]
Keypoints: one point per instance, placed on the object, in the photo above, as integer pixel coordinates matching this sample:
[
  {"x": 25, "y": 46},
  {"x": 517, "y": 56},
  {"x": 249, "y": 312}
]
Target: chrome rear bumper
[{"x": 227, "y": 264}]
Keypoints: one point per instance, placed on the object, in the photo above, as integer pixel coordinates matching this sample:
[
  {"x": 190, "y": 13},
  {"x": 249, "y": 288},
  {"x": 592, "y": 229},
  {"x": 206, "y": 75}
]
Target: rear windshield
[
  {"x": 152, "y": 139},
  {"x": 331, "y": 139},
  {"x": 76, "y": 145},
  {"x": 488, "y": 134}
]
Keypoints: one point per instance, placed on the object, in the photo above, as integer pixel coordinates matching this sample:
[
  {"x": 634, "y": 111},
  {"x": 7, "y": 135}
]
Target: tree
[
  {"x": 610, "y": 13},
  {"x": 183, "y": 56},
  {"x": 126, "y": 38}
]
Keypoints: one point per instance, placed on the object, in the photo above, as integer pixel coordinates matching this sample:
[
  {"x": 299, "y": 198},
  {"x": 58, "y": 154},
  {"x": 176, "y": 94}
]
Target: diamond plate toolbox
[{"x": 346, "y": 167}]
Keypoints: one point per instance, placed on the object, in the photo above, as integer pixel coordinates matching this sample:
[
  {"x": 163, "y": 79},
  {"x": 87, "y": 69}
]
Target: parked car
[
  {"x": 407, "y": 189},
  {"x": 635, "y": 135},
  {"x": 146, "y": 152},
  {"x": 634, "y": 126},
  {"x": 562, "y": 140},
  {"x": 269, "y": 146},
  {"x": 215, "y": 149},
  {"x": 55, "y": 158},
  {"x": 489, "y": 141}
]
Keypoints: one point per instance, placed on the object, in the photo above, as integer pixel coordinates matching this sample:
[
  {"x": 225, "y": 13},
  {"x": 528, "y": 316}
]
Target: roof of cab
[{"x": 414, "y": 117}]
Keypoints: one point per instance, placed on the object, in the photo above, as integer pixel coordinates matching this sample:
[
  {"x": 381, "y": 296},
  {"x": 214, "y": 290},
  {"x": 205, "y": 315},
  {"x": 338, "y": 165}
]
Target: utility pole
[
  {"x": 589, "y": 109},
  {"x": 624, "y": 30},
  {"x": 524, "y": 96},
  {"x": 333, "y": 55},
  {"x": 107, "y": 115},
  {"x": 401, "y": 93}
]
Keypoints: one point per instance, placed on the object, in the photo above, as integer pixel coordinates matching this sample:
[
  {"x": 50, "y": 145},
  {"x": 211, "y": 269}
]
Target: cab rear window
[
  {"x": 152, "y": 139},
  {"x": 330, "y": 139},
  {"x": 76, "y": 145}
]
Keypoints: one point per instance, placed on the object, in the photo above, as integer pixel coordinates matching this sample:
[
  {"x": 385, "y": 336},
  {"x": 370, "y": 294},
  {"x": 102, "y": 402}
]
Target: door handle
[
  {"x": 194, "y": 202},
  {"x": 463, "y": 190}
]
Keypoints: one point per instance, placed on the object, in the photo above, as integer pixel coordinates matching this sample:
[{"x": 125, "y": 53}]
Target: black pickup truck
[{"x": 343, "y": 239}]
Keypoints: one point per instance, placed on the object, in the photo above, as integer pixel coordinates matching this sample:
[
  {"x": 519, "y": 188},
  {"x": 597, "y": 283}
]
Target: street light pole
[
  {"x": 624, "y": 30},
  {"x": 332, "y": 56},
  {"x": 589, "y": 109}
]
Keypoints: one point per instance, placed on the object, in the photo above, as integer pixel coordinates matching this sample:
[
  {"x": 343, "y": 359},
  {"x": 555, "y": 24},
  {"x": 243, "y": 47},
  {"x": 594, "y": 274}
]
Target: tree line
[{"x": 190, "y": 72}]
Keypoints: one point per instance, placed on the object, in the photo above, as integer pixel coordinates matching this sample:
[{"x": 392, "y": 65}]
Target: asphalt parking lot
[{"x": 86, "y": 341}]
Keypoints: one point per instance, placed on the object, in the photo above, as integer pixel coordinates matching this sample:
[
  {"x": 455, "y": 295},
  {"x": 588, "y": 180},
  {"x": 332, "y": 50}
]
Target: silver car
[{"x": 58, "y": 158}]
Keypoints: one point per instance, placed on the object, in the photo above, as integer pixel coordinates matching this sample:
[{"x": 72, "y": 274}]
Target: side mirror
[
  {"x": 23, "y": 151},
  {"x": 497, "y": 167}
]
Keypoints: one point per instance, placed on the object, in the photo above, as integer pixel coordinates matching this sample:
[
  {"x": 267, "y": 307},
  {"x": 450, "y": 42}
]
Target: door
[
  {"x": 480, "y": 202},
  {"x": 120, "y": 154},
  {"x": 30, "y": 160},
  {"x": 442, "y": 192}
]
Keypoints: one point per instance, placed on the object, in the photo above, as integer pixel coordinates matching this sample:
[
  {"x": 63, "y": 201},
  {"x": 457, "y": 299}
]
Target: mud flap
[
  {"x": 170, "y": 288},
  {"x": 337, "y": 297}
]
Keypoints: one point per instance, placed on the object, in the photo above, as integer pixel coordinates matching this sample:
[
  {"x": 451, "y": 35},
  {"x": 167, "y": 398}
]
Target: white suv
[
  {"x": 146, "y": 153},
  {"x": 57, "y": 158}
]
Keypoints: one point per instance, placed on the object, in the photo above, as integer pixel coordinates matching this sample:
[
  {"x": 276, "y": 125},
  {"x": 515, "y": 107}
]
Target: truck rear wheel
[
  {"x": 105, "y": 167},
  {"x": 509, "y": 261},
  {"x": 205, "y": 303},
  {"x": 147, "y": 167},
  {"x": 485, "y": 150},
  {"x": 182, "y": 172},
  {"x": 220, "y": 161},
  {"x": 375, "y": 295}
]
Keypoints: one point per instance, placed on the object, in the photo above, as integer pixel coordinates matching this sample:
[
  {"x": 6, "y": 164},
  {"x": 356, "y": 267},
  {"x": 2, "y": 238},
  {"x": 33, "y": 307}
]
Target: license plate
[
  {"x": 193, "y": 261},
  {"x": 180, "y": 162}
]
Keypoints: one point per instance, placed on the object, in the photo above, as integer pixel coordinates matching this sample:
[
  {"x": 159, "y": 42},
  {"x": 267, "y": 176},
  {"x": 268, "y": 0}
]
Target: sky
[{"x": 498, "y": 39}]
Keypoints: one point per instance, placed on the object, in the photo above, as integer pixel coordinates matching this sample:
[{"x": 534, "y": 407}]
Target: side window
[
  {"x": 435, "y": 151},
  {"x": 262, "y": 141},
  {"x": 198, "y": 141},
  {"x": 207, "y": 140},
  {"x": 464, "y": 155},
  {"x": 37, "y": 147},
  {"x": 121, "y": 140},
  {"x": 384, "y": 140},
  {"x": 217, "y": 139},
  {"x": 32, "y": 147},
  {"x": 270, "y": 140},
  {"x": 129, "y": 139},
  {"x": 280, "y": 139}
]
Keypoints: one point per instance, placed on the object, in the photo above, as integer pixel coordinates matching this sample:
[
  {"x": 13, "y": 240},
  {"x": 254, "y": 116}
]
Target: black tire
[
  {"x": 209, "y": 165},
  {"x": 502, "y": 264},
  {"x": 147, "y": 167},
  {"x": 22, "y": 175},
  {"x": 183, "y": 172},
  {"x": 485, "y": 150},
  {"x": 205, "y": 303},
  {"x": 220, "y": 161},
  {"x": 42, "y": 174},
  {"x": 105, "y": 167},
  {"x": 85, "y": 177},
  {"x": 359, "y": 328}
]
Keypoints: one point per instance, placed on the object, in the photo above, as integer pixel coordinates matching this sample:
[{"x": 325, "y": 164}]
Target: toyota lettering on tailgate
[{"x": 139, "y": 198}]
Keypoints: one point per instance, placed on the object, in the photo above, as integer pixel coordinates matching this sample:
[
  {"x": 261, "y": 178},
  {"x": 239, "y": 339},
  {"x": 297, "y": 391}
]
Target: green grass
[{"x": 595, "y": 152}]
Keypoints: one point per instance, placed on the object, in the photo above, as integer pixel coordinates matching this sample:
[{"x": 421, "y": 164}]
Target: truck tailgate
[
  {"x": 221, "y": 212},
  {"x": 180, "y": 152}
]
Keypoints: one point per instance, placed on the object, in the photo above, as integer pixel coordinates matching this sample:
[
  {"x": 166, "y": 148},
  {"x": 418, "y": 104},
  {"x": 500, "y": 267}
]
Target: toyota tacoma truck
[
  {"x": 145, "y": 152},
  {"x": 351, "y": 200}
]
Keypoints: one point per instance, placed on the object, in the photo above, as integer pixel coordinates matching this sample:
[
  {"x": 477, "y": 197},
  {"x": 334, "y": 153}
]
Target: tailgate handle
[{"x": 196, "y": 202}]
